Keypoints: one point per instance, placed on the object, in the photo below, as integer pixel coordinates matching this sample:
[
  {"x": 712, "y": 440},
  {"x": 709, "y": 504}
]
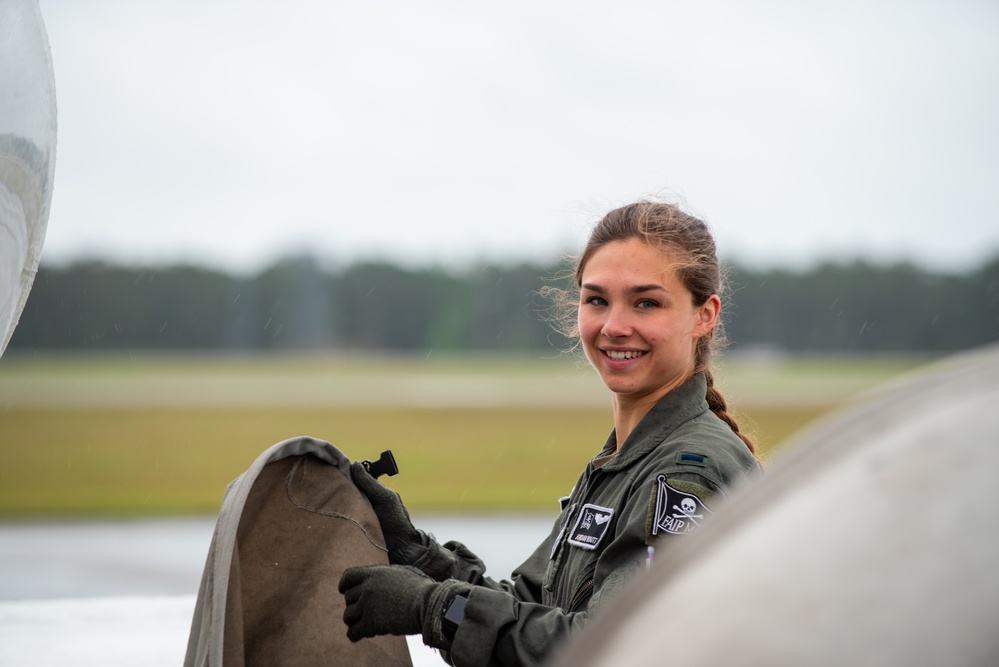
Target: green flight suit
[{"x": 657, "y": 487}]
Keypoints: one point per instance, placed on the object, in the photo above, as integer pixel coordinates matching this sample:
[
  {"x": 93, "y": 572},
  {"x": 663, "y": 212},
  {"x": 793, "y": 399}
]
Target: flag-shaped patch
[
  {"x": 675, "y": 512},
  {"x": 591, "y": 526}
]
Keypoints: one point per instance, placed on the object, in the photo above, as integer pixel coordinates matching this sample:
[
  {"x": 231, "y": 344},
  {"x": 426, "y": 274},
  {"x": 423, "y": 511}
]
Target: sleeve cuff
[{"x": 433, "y": 627}]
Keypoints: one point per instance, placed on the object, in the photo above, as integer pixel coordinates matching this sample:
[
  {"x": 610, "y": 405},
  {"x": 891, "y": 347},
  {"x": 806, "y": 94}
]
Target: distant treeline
[{"x": 297, "y": 304}]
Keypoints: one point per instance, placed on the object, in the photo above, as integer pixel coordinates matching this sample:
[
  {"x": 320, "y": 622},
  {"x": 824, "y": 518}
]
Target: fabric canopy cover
[{"x": 288, "y": 528}]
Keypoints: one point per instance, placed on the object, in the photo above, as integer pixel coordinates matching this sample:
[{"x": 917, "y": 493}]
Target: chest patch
[
  {"x": 675, "y": 512},
  {"x": 591, "y": 526}
]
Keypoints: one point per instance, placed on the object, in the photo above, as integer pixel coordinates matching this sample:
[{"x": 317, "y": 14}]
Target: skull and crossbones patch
[{"x": 673, "y": 511}]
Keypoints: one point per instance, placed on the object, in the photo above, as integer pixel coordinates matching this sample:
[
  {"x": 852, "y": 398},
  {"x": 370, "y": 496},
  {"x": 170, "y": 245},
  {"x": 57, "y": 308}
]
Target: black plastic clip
[{"x": 385, "y": 465}]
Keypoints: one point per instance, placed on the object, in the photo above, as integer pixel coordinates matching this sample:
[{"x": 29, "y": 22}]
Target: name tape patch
[
  {"x": 591, "y": 526},
  {"x": 676, "y": 512}
]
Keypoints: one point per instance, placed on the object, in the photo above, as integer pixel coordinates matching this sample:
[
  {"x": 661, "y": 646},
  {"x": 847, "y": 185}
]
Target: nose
[{"x": 617, "y": 324}]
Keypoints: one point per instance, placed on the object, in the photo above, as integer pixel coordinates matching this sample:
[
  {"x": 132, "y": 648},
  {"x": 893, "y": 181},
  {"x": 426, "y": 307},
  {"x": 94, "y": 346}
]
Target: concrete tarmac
[{"x": 91, "y": 593}]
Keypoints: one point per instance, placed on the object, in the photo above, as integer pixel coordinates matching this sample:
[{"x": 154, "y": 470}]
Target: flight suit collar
[{"x": 675, "y": 408}]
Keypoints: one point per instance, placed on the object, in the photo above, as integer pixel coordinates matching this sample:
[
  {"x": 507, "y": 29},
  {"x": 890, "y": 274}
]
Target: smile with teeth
[{"x": 621, "y": 355}]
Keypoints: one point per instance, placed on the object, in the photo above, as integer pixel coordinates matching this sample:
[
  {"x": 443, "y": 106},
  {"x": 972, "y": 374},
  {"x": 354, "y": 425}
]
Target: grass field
[{"x": 164, "y": 435}]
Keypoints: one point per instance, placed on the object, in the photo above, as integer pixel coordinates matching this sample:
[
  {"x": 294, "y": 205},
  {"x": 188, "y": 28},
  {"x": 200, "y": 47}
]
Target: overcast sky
[{"x": 234, "y": 132}]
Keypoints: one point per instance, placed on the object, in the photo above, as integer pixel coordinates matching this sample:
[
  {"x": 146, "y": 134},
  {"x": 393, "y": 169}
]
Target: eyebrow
[{"x": 637, "y": 289}]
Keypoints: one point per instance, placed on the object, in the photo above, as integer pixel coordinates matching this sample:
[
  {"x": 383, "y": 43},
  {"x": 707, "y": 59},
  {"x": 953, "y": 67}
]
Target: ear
[{"x": 707, "y": 316}]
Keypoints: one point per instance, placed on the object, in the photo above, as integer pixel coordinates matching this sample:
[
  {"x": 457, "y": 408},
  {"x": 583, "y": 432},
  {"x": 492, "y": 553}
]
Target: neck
[{"x": 630, "y": 409}]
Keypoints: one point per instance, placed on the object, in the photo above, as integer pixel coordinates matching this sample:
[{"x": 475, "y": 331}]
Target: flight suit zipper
[{"x": 581, "y": 596}]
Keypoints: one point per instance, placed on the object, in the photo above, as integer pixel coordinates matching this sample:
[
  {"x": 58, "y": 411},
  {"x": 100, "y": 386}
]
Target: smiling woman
[
  {"x": 639, "y": 326},
  {"x": 661, "y": 267},
  {"x": 648, "y": 309}
]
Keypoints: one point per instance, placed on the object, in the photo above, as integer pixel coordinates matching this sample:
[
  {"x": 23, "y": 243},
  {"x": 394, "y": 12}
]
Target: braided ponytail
[{"x": 717, "y": 405}]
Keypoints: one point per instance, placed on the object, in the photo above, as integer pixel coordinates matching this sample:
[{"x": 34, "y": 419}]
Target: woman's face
[{"x": 637, "y": 322}]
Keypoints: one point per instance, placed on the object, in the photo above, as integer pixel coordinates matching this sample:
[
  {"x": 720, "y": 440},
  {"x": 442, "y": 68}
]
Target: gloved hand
[
  {"x": 408, "y": 545},
  {"x": 394, "y": 600},
  {"x": 405, "y": 543}
]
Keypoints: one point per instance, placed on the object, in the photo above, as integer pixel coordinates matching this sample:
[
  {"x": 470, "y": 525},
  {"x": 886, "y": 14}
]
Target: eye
[
  {"x": 595, "y": 301},
  {"x": 645, "y": 304}
]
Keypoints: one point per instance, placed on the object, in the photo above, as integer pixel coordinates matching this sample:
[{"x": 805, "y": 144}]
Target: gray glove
[
  {"x": 395, "y": 600},
  {"x": 406, "y": 544}
]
